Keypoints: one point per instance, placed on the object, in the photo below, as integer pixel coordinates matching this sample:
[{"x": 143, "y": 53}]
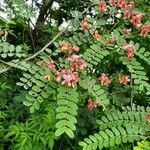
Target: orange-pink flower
[
  {"x": 67, "y": 77},
  {"x": 51, "y": 65},
  {"x": 92, "y": 104},
  {"x": 130, "y": 51},
  {"x": 102, "y": 6},
  {"x": 124, "y": 80},
  {"x": 97, "y": 36},
  {"x": 104, "y": 80},
  {"x": 122, "y": 4},
  {"x": 69, "y": 48},
  {"x": 127, "y": 15},
  {"x": 145, "y": 30},
  {"x": 136, "y": 20},
  {"x": 111, "y": 40},
  {"x": 66, "y": 47},
  {"x": 85, "y": 25},
  {"x": 112, "y": 2},
  {"x": 76, "y": 49},
  {"x": 77, "y": 63},
  {"x": 126, "y": 31},
  {"x": 131, "y": 5}
]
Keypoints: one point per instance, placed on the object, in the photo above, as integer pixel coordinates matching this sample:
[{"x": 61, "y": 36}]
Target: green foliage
[
  {"x": 95, "y": 54},
  {"x": 35, "y": 133},
  {"x": 9, "y": 50},
  {"x": 118, "y": 127},
  {"x": 66, "y": 111},
  {"x": 95, "y": 90},
  {"x": 138, "y": 74},
  {"x": 142, "y": 53},
  {"x": 144, "y": 145},
  {"x": 81, "y": 90},
  {"x": 40, "y": 89}
]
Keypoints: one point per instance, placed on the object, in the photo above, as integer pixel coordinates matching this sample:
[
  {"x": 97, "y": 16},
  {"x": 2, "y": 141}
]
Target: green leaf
[
  {"x": 27, "y": 103},
  {"x": 32, "y": 109},
  {"x": 36, "y": 105},
  {"x": 69, "y": 132},
  {"x": 60, "y": 131}
]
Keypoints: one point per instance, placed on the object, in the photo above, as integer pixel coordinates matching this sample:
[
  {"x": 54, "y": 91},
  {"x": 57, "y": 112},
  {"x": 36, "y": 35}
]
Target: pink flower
[
  {"x": 145, "y": 30},
  {"x": 51, "y": 65},
  {"x": 85, "y": 25},
  {"x": 129, "y": 47},
  {"x": 92, "y": 104},
  {"x": 122, "y": 4},
  {"x": 136, "y": 20},
  {"x": 130, "y": 51},
  {"x": 124, "y": 80},
  {"x": 112, "y": 40},
  {"x": 127, "y": 15},
  {"x": 66, "y": 47},
  {"x": 97, "y": 36},
  {"x": 76, "y": 48},
  {"x": 130, "y": 56},
  {"x": 77, "y": 63},
  {"x": 104, "y": 80},
  {"x": 69, "y": 48},
  {"x": 112, "y": 2},
  {"x": 102, "y": 6},
  {"x": 67, "y": 77},
  {"x": 126, "y": 31},
  {"x": 131, "y": 5}
]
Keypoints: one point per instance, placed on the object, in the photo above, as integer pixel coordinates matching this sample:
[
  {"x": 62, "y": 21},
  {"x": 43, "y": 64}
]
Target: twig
[
  {"x": 50, "y": 43},
  {"x": 4, "y": 70},
  {"x": 61, "y": 143},
  {"x": 70, "y": 143},
  {"x": 47, "y": 45},
  {"x": 3, "y": 62},
  {"x": 31, "y": 36}
]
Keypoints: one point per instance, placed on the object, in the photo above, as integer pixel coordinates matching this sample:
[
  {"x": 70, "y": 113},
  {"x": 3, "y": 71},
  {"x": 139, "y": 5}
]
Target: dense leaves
[{"x": 84, "y": 85}]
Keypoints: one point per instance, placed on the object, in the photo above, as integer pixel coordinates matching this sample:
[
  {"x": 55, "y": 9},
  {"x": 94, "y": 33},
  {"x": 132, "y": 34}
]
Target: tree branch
[{"x": 48, "y": 44}]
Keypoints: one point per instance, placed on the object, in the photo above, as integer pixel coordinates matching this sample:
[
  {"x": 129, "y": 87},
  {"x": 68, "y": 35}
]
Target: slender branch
[
  {"x": 4, "y": 70},
  {"x": 31, "y": 36},
  {"x": 3, "y": 62},
  {"x": 48, "y": 44},
  {"x": 70, "y": 143}
]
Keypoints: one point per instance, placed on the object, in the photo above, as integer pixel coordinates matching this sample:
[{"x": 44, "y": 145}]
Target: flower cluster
[
  {"x": 102, "y": 6},
  {"x": 130, "y": 51},
  {"x": 145, "y": 30},
  {"x": 97, "y": 36},
  {"x": 124, "y": 80},
  {"x": 69, "y": 48},
  {"x": 51, "y": 65},
  {"x": 104, "y": 80},
  {"x": 92, "y": 104},
  {"x": 136, "y": 19},
  {"x": 126, "y": 32},
  {"x": 85, "y": 25},
  {"x": 77, "y": 63},
  {"x": 67, "y": 77},
  {"x": 129, "y": 14}
]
